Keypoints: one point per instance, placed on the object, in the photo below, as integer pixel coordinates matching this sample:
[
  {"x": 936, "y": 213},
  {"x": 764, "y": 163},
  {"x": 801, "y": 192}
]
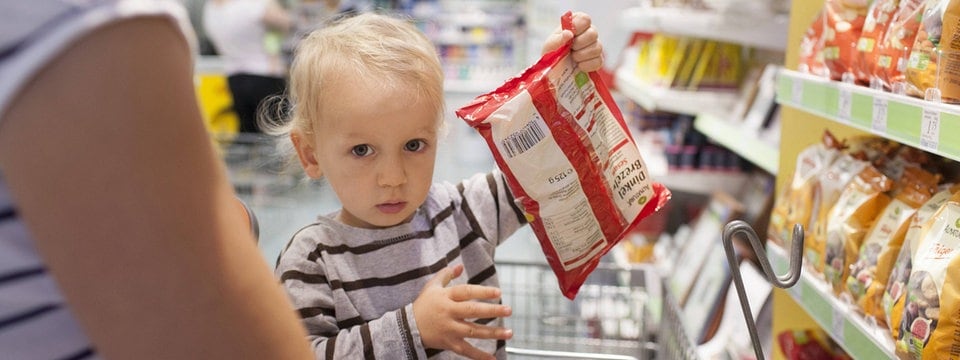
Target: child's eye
[
  {"x": 361, "y": 150},
  {"x": 415, "y": 145}
]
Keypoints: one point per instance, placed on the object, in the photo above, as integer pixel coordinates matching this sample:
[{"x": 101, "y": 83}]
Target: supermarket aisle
[{"x": 284, "y": 204}]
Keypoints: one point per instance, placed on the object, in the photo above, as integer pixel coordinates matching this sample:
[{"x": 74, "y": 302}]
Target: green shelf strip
[
  {"x": 858, "y": 338},
  {"x": 864, "y": 108}
]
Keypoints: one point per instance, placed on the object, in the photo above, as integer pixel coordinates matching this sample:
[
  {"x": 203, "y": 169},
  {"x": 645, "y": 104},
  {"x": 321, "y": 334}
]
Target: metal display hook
[{"x": 782, "y": 281}]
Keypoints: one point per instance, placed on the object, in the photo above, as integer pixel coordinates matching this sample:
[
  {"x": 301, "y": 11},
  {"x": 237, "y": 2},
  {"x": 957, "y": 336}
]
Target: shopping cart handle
[{"x": 782, "y": 281}]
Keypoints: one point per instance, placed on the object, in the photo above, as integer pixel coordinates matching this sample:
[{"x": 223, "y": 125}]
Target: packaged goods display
[
  {"x": 889, "y": 45},
  {"x": 890, "y": 239},
  {"x": 569, "y": 160}
]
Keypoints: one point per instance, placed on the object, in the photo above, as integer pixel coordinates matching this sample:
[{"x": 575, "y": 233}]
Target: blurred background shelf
[
  {"x": 746, "y": 144},
  {"x": 657, "y": 98},
  {"x": 750, "y": 29}
]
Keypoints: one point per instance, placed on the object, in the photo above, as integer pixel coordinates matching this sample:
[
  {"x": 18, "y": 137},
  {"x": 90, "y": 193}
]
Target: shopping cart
[{"x": 608, "y": 319}]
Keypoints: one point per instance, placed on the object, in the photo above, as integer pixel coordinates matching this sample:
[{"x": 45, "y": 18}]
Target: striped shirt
[
  {"x": 35, "y": 322},
  {"x": 353, "y": 285}
]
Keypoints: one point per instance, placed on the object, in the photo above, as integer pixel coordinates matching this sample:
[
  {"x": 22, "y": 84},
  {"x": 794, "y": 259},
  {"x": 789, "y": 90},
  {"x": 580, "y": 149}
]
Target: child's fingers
[
  {"x": 586, "y": 39},
  {"x": 473, "y": 292},
  {"x": 556, "y": 39},
  {"x": 477, "y": 331},
  {"x": 581, "y": 22},
  {"x": 479, "y": 310}
]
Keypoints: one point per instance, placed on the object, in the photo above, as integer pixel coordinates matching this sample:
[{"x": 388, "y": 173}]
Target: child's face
[{"x": 377, "y": 150}]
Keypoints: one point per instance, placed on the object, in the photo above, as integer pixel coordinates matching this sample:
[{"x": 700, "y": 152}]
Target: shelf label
[
  {"x": 836, "y": 325},
  {"x": 879, "y": 115},
  {"x": 844, "y": 104},
  {"x": 930, "y": 129},
  {"x": 797, "y": 91}
]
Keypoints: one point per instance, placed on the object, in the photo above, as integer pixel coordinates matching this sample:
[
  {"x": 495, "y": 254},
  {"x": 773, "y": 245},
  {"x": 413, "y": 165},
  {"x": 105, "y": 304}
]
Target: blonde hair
[{"x": 377, "y": 48}]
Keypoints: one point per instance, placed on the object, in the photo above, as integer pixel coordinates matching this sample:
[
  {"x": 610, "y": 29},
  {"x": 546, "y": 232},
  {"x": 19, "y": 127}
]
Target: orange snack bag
[
  {"x": 894, "y": 49},
  {"x": 949, "y": 77},
  {"x": 869, "y": 274},
  {"x": 921, "y": 72},
  {"x": 796, "y": 205},
  {"x": 811, "y": 48},
  {"x": 851, "y": 217},
  {"x": 844, "y": 22},
  {"x": 832, "y": 182},
  {"x": 874, "y": 28}
]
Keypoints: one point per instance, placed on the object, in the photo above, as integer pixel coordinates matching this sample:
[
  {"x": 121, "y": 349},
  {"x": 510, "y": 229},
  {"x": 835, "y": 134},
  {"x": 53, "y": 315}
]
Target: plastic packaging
[{"x": 569, "y": 160}]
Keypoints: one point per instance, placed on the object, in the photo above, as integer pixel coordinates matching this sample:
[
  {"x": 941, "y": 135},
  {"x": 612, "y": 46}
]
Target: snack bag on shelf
[
  {"x": 796, "y": 204},
  {"x": 878, "y": 18},
  {"x": 894, "y": 49},
  {"x": 569, "y": 161},
  {"x": 725, "y": 68},
  {"x": 869, "y": 274},
  {"x": 832, "y": 182},
  {"x": 811, "y": 48},
  {"x": 893, "y": 294},
  {"x": 844, "y": 22},
  {"x": 921, "y": 72},
  {"x": 849, "y": 219},
  {"x": 929, "y": 326},
  {"x": 949, "y": 77}
]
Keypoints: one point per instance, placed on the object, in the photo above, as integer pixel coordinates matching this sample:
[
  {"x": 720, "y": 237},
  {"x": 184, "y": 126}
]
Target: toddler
[{"x": 405, "y": 269}]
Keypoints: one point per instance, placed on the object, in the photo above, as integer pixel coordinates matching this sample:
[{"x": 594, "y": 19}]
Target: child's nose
[{"x": 391, "y": 173}]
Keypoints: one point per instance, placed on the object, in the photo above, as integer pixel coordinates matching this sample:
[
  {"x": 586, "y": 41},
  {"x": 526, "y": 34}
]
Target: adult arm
[
  {"x": 115, "y": 176},
  {"x": 276, "y": 17}
]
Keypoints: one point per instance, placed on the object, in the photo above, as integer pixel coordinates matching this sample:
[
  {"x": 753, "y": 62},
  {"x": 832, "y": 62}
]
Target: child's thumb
[
  {"x": 556, "y": 40},
  {"x": 446, "y": 274}
]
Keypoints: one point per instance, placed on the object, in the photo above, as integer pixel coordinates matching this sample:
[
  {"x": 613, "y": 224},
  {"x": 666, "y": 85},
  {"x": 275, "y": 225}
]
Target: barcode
[{"x": 524, "y": 139}]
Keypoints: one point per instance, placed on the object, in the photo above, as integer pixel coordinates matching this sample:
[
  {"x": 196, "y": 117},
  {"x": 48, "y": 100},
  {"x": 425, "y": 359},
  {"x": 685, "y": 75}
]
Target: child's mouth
[{"x": 392, "y": 208}]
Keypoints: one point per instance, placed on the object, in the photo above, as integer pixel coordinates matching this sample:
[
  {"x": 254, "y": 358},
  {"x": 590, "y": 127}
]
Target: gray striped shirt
[{"x": 354, "y": 288}]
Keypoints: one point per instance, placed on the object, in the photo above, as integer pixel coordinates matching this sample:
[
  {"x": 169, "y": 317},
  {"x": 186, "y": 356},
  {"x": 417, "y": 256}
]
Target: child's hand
[
  {"x": 587, "y": 51},
  {"x": 440, "y": 312}
]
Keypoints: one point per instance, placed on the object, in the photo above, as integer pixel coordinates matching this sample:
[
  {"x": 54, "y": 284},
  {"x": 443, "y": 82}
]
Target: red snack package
[
  {"x": 897, "y": 42},
  {"x": 875, "y": 26},
  {"x": 844, "y": 22},
  {"x": 811, "y": 49},
  {"x": 569, "y": 160}
]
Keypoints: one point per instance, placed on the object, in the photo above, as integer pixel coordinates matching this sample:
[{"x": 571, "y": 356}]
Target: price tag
[
  {"x": 797, "y": 91},
  {"x": 836, "y": 325},
  {"x": 930, "y": 129},
  {"x": 844, "y": 104},
  {"x": 879, "y": 115}
]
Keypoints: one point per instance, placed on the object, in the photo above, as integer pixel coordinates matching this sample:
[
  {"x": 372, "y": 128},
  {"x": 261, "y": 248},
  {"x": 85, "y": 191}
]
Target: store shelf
[
  {"x": 925, "y": 125},
  {"x": 858, "y": 337},
  {"x": 734, "y": 138},
  {"x": 702, "y": 182},
  {"x": 654, "y": 98},
  {"x": 761, "y": 31}
]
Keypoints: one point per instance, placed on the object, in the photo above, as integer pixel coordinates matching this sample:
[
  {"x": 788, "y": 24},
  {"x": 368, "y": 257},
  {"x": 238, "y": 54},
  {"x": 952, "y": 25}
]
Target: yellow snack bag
[
  {"x": 850, "y": 218},
  {"x": 929, "y": 328},
  {"x": 832, "y": 182},
  {"x": 893, "y": 294},
  {"x": 869, "y": 274},
  {"x": 796, "y": 204}
]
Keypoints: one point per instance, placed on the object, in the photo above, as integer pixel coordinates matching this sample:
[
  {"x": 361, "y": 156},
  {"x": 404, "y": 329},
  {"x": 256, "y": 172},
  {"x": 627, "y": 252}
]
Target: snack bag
[
  {"x": 893, "y": 50},
  {"x": 832, "y": 182},
  {"x": 874, "y": 27},
  {"x": 851, "y": 217},
  {"x": 569, "y": 160},
  {"x": 929, "y": 328},
  {"x": 922, "y": 65},
  {"x": 869, "y": 274},
  {"x": 949, "y": 77},
  {"x": 811, "y": 49},
  {"x": 893, "y": 294},
  {"x": 844, "y": 22},
  {"x": 797, "y": 202}
]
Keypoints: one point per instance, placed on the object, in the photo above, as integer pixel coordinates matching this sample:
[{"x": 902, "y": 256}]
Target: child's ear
[{"x": 307, "y": 154}]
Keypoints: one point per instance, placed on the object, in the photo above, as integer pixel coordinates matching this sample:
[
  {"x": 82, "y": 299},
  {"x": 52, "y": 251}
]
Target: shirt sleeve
[
  {"x": 392, "y": 336},
  {"x": 488, "y": 200}
]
